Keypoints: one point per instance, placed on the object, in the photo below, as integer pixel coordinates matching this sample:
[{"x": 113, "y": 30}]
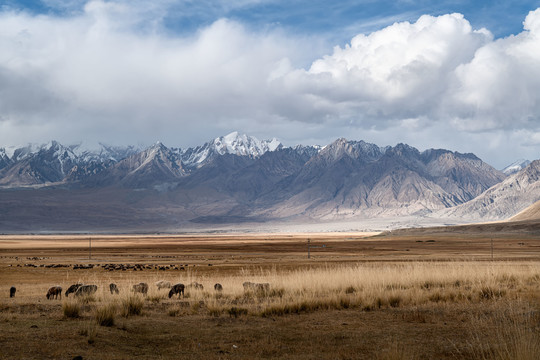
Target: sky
[{"x": 454, "y": 74}]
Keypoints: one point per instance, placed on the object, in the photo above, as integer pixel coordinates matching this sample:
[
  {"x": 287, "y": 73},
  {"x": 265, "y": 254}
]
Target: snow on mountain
[
  {"x": 516, "y": 166},
  {"x": 88, "y": 152},
  {"x": 233, "y": 143},
  {"x": 4, "y": 158},
  {"x": 18, "y": 153}
]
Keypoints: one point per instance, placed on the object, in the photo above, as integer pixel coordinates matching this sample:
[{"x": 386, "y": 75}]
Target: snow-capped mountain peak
[
  {"x": 242, "y": 144},
  {"x": 233, "y": 143},
  {"x": 516, "y": 166}
]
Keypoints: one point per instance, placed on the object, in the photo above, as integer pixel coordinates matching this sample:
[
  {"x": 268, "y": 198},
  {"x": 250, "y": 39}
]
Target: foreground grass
[{"x": 409, "y": 310}]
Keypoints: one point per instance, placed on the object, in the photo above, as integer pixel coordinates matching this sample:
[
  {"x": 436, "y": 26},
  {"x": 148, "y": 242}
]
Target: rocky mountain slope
[
  {"x": 54, "y": 162},
  {"x": 350, "y": 178},
  {"x": 504, "y": 200},
  {"x": 233, "y": 178}
]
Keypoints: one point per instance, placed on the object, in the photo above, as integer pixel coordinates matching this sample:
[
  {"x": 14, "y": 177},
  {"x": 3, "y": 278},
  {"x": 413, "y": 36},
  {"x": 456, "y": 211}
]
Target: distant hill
[{"x": 530, "y": 213}]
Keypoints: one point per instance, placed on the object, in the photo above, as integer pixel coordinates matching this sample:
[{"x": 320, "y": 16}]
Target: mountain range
[{"x": 238, "y": 178}]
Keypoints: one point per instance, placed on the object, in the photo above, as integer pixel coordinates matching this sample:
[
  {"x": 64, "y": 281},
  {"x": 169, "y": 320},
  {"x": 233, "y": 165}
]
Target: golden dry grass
[{"x": 333, "y": 307}]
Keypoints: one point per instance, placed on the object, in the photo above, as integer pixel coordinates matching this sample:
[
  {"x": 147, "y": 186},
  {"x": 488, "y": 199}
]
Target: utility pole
[{"x": 309, "y": 246}]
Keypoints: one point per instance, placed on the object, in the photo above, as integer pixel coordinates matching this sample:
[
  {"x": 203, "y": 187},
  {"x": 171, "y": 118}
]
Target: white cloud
[
  {"x": 500, "y": 87},
  {"x": 104, "y": 75},
  {"x": 399, "y": 72},
  {"x": 112, "y": 73}
]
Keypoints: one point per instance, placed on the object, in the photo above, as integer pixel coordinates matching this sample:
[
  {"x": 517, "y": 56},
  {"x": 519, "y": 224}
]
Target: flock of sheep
[{"x": 79, "y": 289}]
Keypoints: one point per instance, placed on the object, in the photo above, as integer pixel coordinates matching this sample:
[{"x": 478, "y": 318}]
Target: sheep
[
  {"x": 196, "y": 285},
  {"x": 176, "y": 289},
  {"x": 163, "y": 284},
  {"x": 73, "y": 288},
  {"x": 141, "y": 288},
  {"x": 113, "y": 288},
  {"x": 12, "y": 291},
  {"x": 86, "y": 290},
  {"x": 248, "y": 285},
  {"x": 54, "y": 291},
  {"x": 259, "y": 287},
  {"x": 218, "y": 287}
]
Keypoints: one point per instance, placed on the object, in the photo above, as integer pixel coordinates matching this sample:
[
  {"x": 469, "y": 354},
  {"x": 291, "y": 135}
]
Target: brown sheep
[
  {"x": 12, "y": 291},
  {"x": 196, "y": 286},
  {"x": 163, "y": 284},
  {"x": 177, "y": 289},
  {"x": 141, "y": 288},
  {"x": 113, "y": 288},
  {"x": 54, "y": 291}
]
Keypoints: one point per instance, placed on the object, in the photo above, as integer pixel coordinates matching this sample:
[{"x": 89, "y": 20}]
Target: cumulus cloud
[
  {"x": 437, "y": 69},
  {"x": 103, "y": 75},
  {"x": 500, "y": 86},
  {"x": 112, "y": 72},
  {"x": 400, "y": 72}
]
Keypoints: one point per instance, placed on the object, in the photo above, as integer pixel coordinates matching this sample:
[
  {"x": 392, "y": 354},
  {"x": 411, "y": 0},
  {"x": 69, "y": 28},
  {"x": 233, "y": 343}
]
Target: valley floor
[{"x": 423, "y": 296}]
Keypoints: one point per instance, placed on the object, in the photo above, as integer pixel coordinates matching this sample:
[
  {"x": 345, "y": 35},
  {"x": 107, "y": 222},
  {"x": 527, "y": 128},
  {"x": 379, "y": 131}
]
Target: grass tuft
[
  {"x": 489, "y": 293},
  {"x": 71, "y": 309},
  {"x": 237, "y": 311},
  {"x": 105, "y": 314},
  {"x": 132, "y": 304},
  {"x": 394, "y": 301}
]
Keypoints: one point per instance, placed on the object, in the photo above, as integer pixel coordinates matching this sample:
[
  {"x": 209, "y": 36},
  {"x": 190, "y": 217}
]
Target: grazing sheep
[
  {"x": 259, "y": 287},
  {"x": 162, "y": 284},
  {"x": 196, "y": 286},
  {"x": 12, "y": 291},
  {"x": 72, "y": 289},
  {"x": 218, "y": 287},
  {"x": 176, "y": 289},
  {"x": 248, "y": 285},
  {"x": 141, "y": 288},
  {"x": 113, "y": 288},
  {"x": 54, "y": 291},
  {"x": 86, "y": 290}
]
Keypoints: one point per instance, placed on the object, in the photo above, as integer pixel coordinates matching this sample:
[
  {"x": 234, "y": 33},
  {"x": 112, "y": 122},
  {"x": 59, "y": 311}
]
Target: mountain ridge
[{"x": 237, "y": 178}]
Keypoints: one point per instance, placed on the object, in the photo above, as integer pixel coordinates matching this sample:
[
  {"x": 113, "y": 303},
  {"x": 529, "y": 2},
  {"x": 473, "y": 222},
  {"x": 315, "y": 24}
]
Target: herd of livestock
[{"x": 79, "y": 289}]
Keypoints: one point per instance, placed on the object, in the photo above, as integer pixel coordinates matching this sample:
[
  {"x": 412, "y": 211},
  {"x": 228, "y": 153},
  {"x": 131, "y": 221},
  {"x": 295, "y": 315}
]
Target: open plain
[{"x": 424, "y": 295}]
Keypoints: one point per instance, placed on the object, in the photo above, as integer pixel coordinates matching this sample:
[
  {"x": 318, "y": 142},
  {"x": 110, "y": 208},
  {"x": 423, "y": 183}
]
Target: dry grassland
[{"x": 356, "y": 298}]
